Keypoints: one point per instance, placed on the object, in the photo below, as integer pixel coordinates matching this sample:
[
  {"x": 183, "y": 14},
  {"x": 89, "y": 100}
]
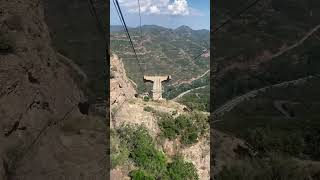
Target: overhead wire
[
  {"x": 140, "y": 20},
  {"x": 116, "y": 3},
  {"x": 141, "y": 39},
  {"x": 197, "y": 56},
  {"x": 121, "y": 20}
]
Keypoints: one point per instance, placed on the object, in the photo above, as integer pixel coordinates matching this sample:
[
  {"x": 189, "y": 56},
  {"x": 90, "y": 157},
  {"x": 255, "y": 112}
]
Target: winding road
[
  {"x": 296, "y": 44},
  {"x": 191, "y": 80},
  {"x": 188, "y": 91}
]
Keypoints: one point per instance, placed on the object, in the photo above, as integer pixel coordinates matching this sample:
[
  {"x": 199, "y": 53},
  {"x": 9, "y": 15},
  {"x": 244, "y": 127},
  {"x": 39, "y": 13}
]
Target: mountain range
[{"x": 162, "y": 51}]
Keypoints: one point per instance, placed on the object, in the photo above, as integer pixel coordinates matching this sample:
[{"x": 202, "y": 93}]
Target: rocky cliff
[
  {"x": 39, "y": 104},
  {"x": 121, "y": 88}
]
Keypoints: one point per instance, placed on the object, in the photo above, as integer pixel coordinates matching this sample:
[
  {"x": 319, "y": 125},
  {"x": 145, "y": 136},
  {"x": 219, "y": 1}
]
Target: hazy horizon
[
  {"x": 166, "y": 13},
  {"x": 159, "y": 26}
]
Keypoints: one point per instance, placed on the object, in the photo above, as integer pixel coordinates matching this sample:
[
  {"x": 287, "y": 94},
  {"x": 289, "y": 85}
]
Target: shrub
[
  {"x": 200, "y": 121},
  {"x": 119, "y": 151},
  {"x": 146, "y": 98},
  {"x": 142, "y": 149},
  {"x": 183, "y": 121},
  {"x": 152, "y": 163},
  {"x": 181, "y": 170},
  {"x": 188, "y": 127},
  {"x": 140, "y": 175},
  {"x": 169, "y": 127},
  {"x": 190, "y": 136},
  {"x": 7, "y": 43}
]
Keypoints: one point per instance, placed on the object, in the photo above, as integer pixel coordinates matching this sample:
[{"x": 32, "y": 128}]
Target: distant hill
[
  {"x": 115, "y": 28},
  {"x": 162, "y": 51}
]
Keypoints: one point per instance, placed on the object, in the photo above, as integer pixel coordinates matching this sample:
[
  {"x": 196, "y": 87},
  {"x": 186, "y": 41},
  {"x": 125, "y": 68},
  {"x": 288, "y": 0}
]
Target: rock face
[
  {"x": 199, "y": 155},
  {"x": 37, "y": 98},
  {"x": 121, "y": 88}
]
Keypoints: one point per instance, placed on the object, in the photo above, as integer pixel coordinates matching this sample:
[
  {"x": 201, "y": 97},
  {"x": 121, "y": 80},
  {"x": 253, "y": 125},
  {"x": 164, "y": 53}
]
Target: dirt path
[
  {"x": 305, "y": 37},
  {"x": 286, "y": 49},
  {"x": 191, "y": 80}
]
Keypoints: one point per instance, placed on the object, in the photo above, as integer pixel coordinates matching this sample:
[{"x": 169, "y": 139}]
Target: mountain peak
[{"x": 183, "y": 28}]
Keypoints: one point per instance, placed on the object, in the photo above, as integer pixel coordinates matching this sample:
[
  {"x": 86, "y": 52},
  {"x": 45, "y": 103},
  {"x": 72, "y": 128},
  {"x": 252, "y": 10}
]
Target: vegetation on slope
[
  {"x": 188, "y": 128},
  {"x": 138, "y": 146},
  {"x": 197, "y": 99}
]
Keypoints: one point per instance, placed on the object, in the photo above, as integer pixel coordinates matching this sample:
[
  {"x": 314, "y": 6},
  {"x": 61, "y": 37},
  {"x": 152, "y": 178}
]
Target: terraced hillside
[{"x": 162, "y": 51}]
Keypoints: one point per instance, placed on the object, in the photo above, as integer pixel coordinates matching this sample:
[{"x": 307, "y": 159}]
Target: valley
[{"x": 163, "y": 51}]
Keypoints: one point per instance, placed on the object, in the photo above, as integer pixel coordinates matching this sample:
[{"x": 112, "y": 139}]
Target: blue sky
[{"x": 167, "y": 13}]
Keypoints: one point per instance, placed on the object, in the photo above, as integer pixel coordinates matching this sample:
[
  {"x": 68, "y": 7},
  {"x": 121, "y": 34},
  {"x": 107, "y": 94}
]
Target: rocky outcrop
[
  {"x": 38, "y": 98},
  {"x": 121, "y": 88},
  {"x": 199, "y": 155}
]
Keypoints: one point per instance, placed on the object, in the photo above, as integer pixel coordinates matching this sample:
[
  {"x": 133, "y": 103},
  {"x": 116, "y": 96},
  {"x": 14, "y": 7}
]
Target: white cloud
[
  {"x": 167, "y": 7},
  {"x": 179, "y": 7},
  {"x": 154, "y": 10}
]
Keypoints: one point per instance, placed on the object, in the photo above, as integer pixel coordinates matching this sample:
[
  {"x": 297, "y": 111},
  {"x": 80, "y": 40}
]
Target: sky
[{"x": 166, "y": 13}]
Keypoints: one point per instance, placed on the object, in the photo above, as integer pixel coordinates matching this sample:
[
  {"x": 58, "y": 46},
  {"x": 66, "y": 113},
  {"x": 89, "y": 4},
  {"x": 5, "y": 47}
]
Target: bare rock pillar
[{"x": 157, "y": 87}]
